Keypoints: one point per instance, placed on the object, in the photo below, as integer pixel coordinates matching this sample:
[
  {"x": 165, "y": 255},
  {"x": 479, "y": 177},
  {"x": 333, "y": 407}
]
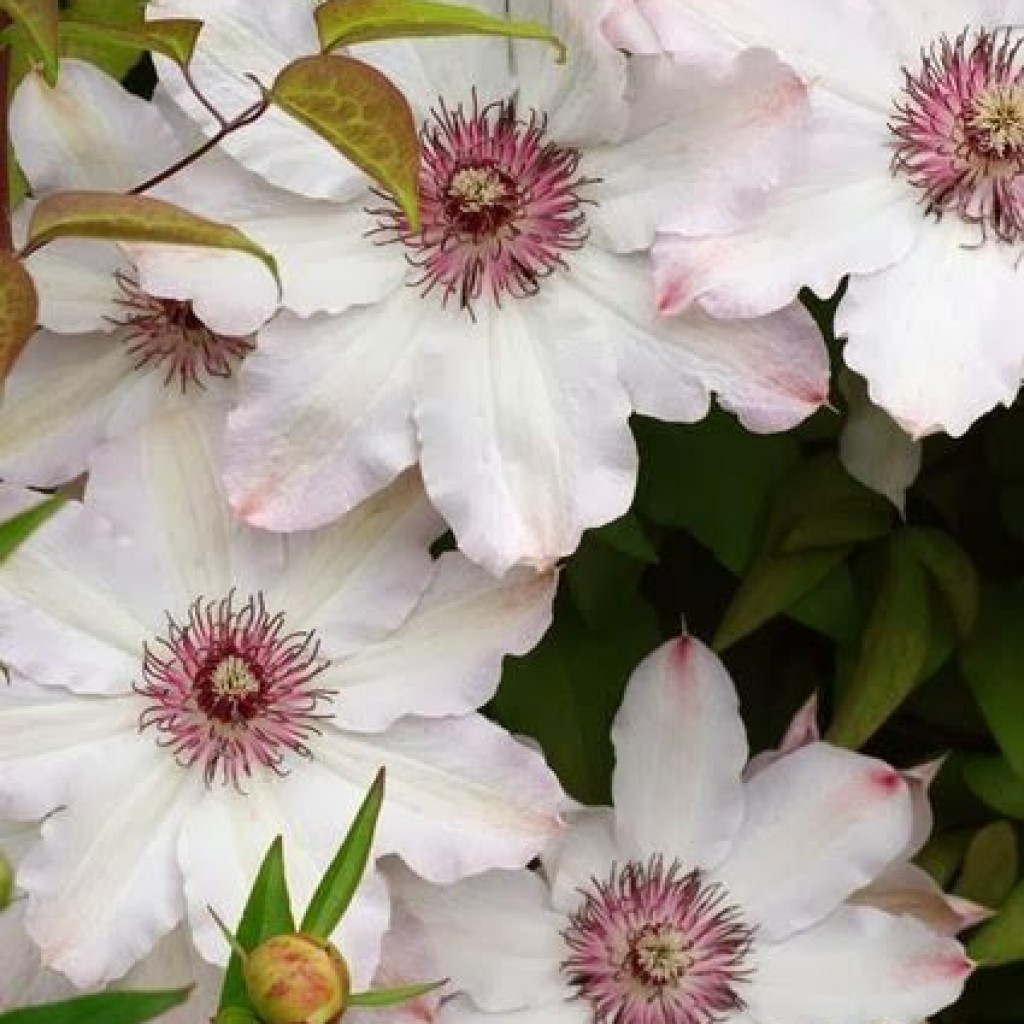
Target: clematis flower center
[
  {"x": 657, "y": 945},
  {"x": 959, "y": 131},
  {"x": 167, "y": 334},
  {"x": 500, "y": 206},
  {"x": 232, "y": 689}
]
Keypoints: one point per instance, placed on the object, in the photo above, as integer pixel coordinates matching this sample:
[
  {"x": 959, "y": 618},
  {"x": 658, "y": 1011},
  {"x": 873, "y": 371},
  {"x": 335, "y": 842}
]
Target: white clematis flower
[
  {"x": 504, "y": 345},
  {"x": 126, "y": 331},
  {"x": 912, "y": 183},
  {"x": 701, "y": 897},
  {"x": 198, "y": 687}
]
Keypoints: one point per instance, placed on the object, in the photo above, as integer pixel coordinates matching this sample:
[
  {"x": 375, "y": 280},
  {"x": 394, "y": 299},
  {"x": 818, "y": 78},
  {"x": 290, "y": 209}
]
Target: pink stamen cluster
[
  {"x": 167, "y": 333},
  {"x": 657, "y": 945},
  {"x": 231, "y": 689},
  {"x": 500, "y": 205},
  {"x": 959, "y": 131}
]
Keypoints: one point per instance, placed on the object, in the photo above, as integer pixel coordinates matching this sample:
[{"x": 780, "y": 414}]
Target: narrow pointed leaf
[
  {"x": 993, "y": 780},
  {"x": 267, "y": 913},
  {"x": 130, "y": 218},
  {"x": 339, "y": 883},
  {"x": 893, "y": 652},
  {"x": 990, "y": 865},
  {"x": 952, "y": 573},
  {"x": 39, "y": 19},
  {"x": 17, "y": 530},
  {"x": 173, "y": 37},
  {"x": 344, "y": 22},
  {"x": 382, "y": 997},
  {"x": 103, "y": 1008},
  {"x": 1001, "y": 940},
  {"x": 6, "y": 883},
  {"x": 19, "y": 309},
  {"x": 362, "y": 114}
]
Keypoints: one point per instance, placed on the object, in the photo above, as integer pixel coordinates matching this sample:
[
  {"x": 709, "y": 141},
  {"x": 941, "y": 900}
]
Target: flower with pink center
[
  {"x": 186, "y": 688},
  {"x": 912, "y": 181},
  {"x": 505, "y": 343},
  {"x": 708, "y": 894}
]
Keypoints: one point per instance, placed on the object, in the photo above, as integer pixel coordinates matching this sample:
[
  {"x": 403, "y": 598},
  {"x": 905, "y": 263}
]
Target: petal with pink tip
[
  {"x": 857, "y": 966},
  {"x": 680, "y": 748},
  {"x": 820, "y": 823}
]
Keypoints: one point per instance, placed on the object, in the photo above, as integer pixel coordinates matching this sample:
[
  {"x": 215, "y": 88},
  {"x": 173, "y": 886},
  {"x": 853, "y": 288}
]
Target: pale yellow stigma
[
  {"x": 233, "y": 678},
  {"x": 476, "y": 188},
  {"x": 998, "y": 118},
  {"x": 660, "y": 955}
]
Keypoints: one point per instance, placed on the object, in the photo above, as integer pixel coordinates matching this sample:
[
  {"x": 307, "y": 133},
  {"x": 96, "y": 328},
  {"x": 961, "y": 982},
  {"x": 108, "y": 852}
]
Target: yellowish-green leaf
[
  {"x": 173, "y": 37},
  {"x": 39, "y": 20},
  {"x": 131, "y": 218},
  {"x": 6, "y": 882},
  {"x": 19, "y": 308},
  {"x": 383, "y": 997},
  {"x": 362, "y": 114},
  {"x": 344, "y": 22},
  {"x": 115, "y": 59}
]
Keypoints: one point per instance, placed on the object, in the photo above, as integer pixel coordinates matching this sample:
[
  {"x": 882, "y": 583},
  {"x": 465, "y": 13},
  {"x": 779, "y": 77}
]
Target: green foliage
[
  {"x": 104, "y": 1008},
  {"x": 37, "y": 19}
]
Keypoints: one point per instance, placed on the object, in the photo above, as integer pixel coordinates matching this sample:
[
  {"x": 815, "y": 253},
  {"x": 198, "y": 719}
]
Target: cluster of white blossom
[{"x": 242, "y": 619}]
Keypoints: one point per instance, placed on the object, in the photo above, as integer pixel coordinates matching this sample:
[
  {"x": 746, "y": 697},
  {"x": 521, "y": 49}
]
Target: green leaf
[
  {"x": 267, "y": 913},
  {"x": 1001, "y": 940},
  {"x": 893, "y": 652},
  {"x": 362, "y": 114},
  {"x": 38, "y": 18},
  {"x": 339, "y": 883},
  {"x": 104, "y": 1008},
  {"x": 994, "y": 781},
  {"x": 19, "y": 310},
  {"x": 627, "y": 536},
  {"x": 17, "y": 530},
  {"x": 6, "y": 882},
  {"x": 952, "y": 573},
  {"x": 992, "y": 663},
  {"x": 381, "y": 997},
  {"x": 990, "y": 865},
  {"x": 128, "y": 218},
  {"x": 115, "y": 59},
  {"x": 837, "y": 527},
  {"x": 566, "y": 691},
  {"x": 345, "y": 22},
  {"x": 943, "y": 854},
  {"x": 173, "y": 37}
]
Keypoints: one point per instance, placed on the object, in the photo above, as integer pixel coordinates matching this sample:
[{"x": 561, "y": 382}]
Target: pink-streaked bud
[{"x": 297, "y": 979}]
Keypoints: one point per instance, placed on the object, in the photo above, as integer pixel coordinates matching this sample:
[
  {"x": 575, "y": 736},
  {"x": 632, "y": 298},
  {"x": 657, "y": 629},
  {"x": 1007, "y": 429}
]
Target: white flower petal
[
  {"x": 772, "y": 372},
  {"x": 873, "y": 448},
  {"x": 495, "y": 936},
  {"x": 585, "y": 98},
  {"x": 521, "y": 451},
  {"x": 680, "y": 747},
  {"x": 325, "y": 415},
  {"x": 856, "y": 967},
  {"x": 841, "y": 212},
  {"x": 256, "y": 37},
  {"x": 820, "y": 823},
  {"x": 850, "y": 46},
  {"x": 23, "y": 979},
  {"x": 104, "y": 885},
  {"x": 581, "y": 854},
  {"x": 702, "y": 150},
  {"x": 570, "y": 1011},
  {"x": 77, "y": 603},
  {"x": 463, "y": 795},
  {"x": 227, "y": 835},
  {"x": 45, "y": 737},
  {"x": 63, "y": 398},
  {"x": 950, "y": 306},
  {"x": 446, "y": 658},
  {"x": 87, "y": 132},
  {"x": 358, "y": 579},
  {"x": 162, "y": 487}
]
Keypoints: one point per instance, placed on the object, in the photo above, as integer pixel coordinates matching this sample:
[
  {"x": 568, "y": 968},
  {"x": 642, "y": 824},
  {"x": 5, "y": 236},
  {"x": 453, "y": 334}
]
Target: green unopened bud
[
  {"x": 297, "y": 979},
  {"x": 6, "y": 882}
]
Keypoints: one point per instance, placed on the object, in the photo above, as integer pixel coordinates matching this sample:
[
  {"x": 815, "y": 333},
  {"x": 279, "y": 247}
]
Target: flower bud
[{"x": 297, "y": 979}]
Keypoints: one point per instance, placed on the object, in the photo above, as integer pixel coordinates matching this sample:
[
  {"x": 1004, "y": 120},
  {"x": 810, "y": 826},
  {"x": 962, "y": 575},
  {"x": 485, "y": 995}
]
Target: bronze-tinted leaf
[
  {"x": 362, "y": 114},
  {"x": 39, "y": 20},
  {"x": 131, "y": 218},
  {"x": 174, "y": 37},
  {"x": 344, "y": 22},
  {"x": 19, "y": 308}
]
